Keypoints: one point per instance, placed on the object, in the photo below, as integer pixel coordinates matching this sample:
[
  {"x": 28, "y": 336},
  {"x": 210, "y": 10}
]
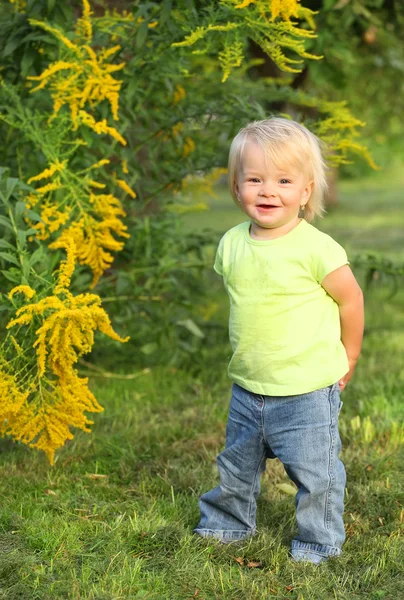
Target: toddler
[{"x": 296, "y": 327}]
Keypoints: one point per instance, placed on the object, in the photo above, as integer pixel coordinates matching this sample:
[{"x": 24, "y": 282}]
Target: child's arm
[{"x": 343, "y": 287}]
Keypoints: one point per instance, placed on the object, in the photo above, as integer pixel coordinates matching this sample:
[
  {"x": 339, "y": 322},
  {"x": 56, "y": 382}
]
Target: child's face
[{"x": 259, "y": 186}]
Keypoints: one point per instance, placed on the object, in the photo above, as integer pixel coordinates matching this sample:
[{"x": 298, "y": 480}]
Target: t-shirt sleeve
[
  {"x": 218, "y": 266},
  {"x": 330, "y": 255}
]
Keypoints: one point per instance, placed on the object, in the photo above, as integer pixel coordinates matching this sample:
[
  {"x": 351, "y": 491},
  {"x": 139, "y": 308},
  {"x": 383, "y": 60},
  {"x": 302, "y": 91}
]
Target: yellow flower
[
  {"x": 51, "y": 220},
  {"x": 16, "y": 345},
  {"x": 244, "y": 4},
  {"x": 285, "y": 9},
  {"x": 189, "y": 146},
  {"x": 124, "y": 186},
  {"x": 83, "y": 26},
  {"x": 19, "y": 5},
  {"x": 57, "y": 33},
  {"x": 49, "y": 187},
  {"x": 175, "y": 129},
  {"x": 92, "y": 238},
  {"x": 12, "y": 399},
  {"x": 100, "y": 163},
  {"x": 55, "y": 167},
  {"x": 100, "y": 126},
  {"x": 179, "y": 94},
  {"x": 67, "y": 268},
  {"x": 279, "y": 8},
  {"x": 24, "y": 289},
  {"x": 89, "y": 77},
  {"x": 96, "y": 184},
  {"x": 68, "y": 325}
]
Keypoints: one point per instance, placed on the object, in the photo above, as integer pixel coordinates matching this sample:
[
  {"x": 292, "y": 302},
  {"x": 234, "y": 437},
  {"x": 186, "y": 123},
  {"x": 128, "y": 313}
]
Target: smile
[{"x": 266, "y": 207}]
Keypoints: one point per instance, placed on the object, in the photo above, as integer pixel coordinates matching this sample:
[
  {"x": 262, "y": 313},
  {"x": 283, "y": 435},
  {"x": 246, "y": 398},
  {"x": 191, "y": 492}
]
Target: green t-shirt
[{"x": 284, "y": 328}]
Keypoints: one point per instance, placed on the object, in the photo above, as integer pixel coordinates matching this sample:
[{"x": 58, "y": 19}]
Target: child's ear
[{"x": 308, "y": 189}]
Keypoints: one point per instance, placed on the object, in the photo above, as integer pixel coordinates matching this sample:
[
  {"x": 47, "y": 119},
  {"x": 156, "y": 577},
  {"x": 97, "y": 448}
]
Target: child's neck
[{"x": 263, "y": 233}]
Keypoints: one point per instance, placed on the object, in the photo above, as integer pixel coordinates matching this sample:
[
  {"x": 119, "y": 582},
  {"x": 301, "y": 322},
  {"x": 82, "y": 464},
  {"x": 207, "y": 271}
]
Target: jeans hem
[
  {"x": 225, "y": 535},
  {"x": 313, "y": 552}
]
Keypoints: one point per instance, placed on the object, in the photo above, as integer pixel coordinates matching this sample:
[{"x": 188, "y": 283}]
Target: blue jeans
[{"x": 302, "y": 431}]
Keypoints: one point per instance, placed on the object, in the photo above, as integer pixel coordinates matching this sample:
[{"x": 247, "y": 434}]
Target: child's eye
[
  {"x": 285, "y": 181},
  {"x": 253, "y": 179}
]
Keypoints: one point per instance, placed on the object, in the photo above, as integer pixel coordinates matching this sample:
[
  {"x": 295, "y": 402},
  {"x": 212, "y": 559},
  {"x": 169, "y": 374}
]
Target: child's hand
[{"x": 342, "y": 382}]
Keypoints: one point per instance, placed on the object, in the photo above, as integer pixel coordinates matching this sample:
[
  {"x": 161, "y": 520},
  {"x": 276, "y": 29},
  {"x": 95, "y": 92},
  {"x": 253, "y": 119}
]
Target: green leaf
[
  {"x": 192, "y": 327},
  {"x": 12, "y": 276},
  {"x": 10, "y": 258},
  {"x": 149, "y": 348},
  {"x": 31, "y": 214},
  {"x": 22, "y": 235},
  {"x": 11, "y": 45},
  {"x": 3, "y": 171},
  {"x": 19, "y": 209},
  {"x": 31, "y": 231},
  {"x": 6, "y": 222},
  {"x": 165, "y": 11},
  {"x": 11, "y": 183},
  {"x": 27, "y": 61},
  {"x": 37, "y": 256},
  {"x": 25, "y": 265},
  {"x": 4, "y": 244},
  {"x": 141, "y": 34},
  {"x": 286, "y": 488}
]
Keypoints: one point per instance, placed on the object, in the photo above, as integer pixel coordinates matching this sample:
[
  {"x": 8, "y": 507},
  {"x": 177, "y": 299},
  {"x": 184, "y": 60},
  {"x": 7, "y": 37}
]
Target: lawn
[{"x": 113, "y": 518}]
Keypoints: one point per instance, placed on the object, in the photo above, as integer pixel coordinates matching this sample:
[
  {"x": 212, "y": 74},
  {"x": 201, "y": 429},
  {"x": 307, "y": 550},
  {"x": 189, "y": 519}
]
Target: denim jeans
[{"x": 302, "y": 431}]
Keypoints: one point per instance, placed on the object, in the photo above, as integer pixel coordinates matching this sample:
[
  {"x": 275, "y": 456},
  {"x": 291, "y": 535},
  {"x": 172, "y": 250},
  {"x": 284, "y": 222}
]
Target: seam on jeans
[
  {"x": 257, "y": 471},
  {"x": 331, "y": 469}
]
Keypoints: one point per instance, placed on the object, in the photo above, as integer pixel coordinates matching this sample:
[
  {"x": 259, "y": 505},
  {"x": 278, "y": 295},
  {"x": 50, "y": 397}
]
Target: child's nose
[{"x": 268, "y": 189}]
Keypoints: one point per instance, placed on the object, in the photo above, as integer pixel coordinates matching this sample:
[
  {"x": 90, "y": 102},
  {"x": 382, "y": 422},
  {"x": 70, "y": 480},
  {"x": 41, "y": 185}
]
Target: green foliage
[
  {"x": 158, "y": 301},
  {"x": 17, "y": 256},
  {"x": 22, "y": 48},
  {"x": 178, "y": 118},
  {"x": 363, "y": 65}
]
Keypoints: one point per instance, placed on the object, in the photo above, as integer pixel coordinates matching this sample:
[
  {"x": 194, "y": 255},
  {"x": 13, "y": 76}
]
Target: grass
[{"x": 113, "y": 518}]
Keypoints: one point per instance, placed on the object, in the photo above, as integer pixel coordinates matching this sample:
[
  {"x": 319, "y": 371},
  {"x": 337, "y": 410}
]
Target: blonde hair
[{"x": 283, "y": 142}]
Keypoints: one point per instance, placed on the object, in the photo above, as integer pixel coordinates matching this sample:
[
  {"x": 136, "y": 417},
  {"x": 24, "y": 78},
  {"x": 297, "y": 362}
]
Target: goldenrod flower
[
  {"x": 16, "y": 345},
  {"x": 179, "y": 94},
  {"x": 89, "y": 78},
  {"x": 96, "y": 184},
  {"x": 100, "y": 126},
  {"x": 285, "y": 9},
  {"x": 279, "y": 8},
  {"x": 83, "y": 26},
  {"x": 92, "y": 238},
  {"x": 54, "y": 167},
  {"x": 189, "y": 146},
  {"x": 49, "y": 187},
  {"x": 68, "y": 323},
  {"x": 51, "y": 220},
  {"x": 57, "y": 33},
  {"x": 124, "y": 186},
  {"x": 12, "y": 399},
  {"x": 24, "y": 289},
  {"x": 19, "y": 5},
  {"x": 66, "y": 268},
  {"x": 100, "y": 163},
  {"x": 175, "y": 129}
]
